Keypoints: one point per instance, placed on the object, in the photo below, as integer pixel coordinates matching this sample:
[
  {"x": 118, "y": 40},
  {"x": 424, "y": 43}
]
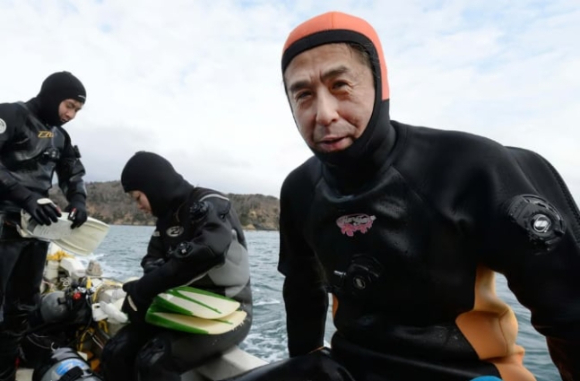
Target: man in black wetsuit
[
  {"x": 33, "y": 145},
  {"x": 405, "y": 226},
  {"x": 198, "y": 241}
]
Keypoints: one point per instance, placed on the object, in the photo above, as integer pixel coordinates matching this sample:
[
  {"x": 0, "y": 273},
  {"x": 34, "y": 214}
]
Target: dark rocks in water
[{"x": 107, "y": 202}]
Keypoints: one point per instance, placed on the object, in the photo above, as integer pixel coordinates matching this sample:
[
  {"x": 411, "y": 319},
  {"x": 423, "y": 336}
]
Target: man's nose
[{"x": 326, "y": 108}]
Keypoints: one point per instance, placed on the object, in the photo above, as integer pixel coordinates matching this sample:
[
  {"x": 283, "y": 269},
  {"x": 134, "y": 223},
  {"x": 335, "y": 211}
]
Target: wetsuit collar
[
  {"x": 33, "y": 105},
  {"x": 351, "y": 169}
]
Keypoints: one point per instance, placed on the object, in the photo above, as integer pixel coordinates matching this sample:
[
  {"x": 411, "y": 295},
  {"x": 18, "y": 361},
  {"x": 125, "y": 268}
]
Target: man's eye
[
  {"x": 302, "y": 95},
  {"x": 339, "y": 84}
]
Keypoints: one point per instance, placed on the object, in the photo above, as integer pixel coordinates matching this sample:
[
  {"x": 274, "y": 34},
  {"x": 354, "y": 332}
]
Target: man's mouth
[
  {"x": 331, "y": 143},
  {"x": 331, "y": 139}
]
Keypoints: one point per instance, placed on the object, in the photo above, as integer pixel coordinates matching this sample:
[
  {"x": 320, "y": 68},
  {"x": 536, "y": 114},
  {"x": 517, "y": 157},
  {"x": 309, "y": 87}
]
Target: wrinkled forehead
[
  {"x": 325, "y": 61},
  {"x": 337, "y": 27}
]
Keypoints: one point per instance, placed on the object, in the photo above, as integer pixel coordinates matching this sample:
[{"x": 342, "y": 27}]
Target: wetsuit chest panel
[
  {"x": 34, "y": 153},
  {"x": 175, "y": 228},
  {"x": 230, "y": 279},
  {"x": 418, "y": 260}
]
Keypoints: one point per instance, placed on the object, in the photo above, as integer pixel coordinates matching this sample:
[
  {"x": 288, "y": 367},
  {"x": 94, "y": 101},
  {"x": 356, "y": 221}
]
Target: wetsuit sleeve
[
  {"x": 192, "y": 259},
  {"x": 154, "y": 248},
  {"x": 155, "y": 256},
  {"x": 542, "y": 268},
  {"x": 70, "y": 171},
  {"x": 10, "y": 121},
  {"x": 304, "y": 292}
]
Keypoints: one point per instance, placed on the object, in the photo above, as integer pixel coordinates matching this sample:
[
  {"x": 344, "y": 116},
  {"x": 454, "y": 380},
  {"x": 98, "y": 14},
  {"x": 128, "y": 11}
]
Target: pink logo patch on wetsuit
[{"x": 352, "y": 223}]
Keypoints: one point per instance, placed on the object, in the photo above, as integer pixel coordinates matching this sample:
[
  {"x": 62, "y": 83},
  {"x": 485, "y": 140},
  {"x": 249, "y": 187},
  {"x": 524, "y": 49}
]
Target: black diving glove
[
  {"x": 41, "y": 209},
  {"x": 135, "y": 305},
  {"x": 77, "y": 211},
  {"x": 153, "y": 265}
]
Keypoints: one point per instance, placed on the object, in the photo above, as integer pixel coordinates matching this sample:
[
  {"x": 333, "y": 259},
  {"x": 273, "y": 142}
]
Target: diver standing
[{"x": 34, "y": 145}]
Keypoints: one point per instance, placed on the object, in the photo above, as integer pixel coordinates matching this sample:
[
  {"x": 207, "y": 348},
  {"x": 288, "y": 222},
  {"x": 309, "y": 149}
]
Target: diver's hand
[
  {"x": 135, "y": 306},
  {"x": 41, "y": 209},
  {"x": 153, "y": 265},
  {"x": 77, "y": 212}
]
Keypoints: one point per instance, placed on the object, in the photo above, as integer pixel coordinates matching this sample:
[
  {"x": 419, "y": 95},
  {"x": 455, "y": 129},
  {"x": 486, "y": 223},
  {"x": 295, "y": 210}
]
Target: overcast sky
[{"x": 199, "y": 81}]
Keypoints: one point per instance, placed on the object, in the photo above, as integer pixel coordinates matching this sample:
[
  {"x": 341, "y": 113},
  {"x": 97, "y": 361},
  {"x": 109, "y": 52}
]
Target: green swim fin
[
  {"x": 195, "y": 302},
  {"x": 191, "y": 324}
]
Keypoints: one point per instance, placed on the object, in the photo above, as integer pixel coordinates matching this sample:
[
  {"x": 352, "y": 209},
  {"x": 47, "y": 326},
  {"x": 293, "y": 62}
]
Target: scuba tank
[
  {"x": 54, "y": 307},
  {"x": 65, "y": 364}
]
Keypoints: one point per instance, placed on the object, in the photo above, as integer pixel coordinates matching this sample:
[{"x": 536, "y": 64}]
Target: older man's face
[{"x": 332, "y": 93}]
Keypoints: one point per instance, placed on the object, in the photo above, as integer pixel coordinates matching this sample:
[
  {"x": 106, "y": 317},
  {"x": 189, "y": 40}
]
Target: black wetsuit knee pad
[
  {"x": 153, "y": 353},
  {"x": 118, "y": 358}
]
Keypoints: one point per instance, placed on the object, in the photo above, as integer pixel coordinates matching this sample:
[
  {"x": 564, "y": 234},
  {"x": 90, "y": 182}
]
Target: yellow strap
[
  {"x": 104, "y": 326},
  {"x": 58, "y": 255},
  {"x": 82, "y": 339}
]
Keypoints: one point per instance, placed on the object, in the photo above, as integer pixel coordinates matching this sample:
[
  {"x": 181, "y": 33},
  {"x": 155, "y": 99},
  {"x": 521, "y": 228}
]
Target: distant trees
[
  {"x": 107, "y": 202},
  {"x": 261, "y": 212}
]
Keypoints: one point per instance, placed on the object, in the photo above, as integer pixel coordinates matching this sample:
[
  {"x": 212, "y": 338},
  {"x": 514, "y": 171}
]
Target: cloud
[{"x": 200, "y": 83}]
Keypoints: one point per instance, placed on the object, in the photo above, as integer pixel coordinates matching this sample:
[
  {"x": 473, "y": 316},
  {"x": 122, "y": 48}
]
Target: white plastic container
[
  {"x": 113, "y": 312},
  {"x": 98, "y": 313},
  {"x": 74, "y": 267},
  {"x": 51, "y": 270}
]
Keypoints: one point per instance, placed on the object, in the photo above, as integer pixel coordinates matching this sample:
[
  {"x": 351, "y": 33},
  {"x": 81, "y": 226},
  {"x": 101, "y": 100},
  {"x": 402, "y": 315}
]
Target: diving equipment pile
[{"x": 78, "y": 309}]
